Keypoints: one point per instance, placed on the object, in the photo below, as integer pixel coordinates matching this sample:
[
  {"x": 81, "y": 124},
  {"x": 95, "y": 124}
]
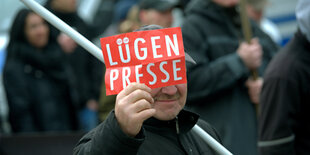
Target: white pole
[
  {"x": 94, "y": 50},
  {"x": 211, "y": 141},
  {"x": 62, "y": 26}
]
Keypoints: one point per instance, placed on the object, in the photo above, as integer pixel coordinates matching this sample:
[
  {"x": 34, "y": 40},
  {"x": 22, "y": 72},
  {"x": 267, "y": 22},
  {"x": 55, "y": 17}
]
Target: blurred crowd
[{"x": 51, "y": 84}]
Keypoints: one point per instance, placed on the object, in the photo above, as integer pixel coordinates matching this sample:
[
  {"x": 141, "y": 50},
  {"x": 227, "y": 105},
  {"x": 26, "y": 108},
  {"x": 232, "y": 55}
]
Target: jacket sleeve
[
  {"x": 208, "y": 77},
  {"x": 212, "y": 76},
  {"x": 19, "y": 101},
  {"x": 95, "y": 72},
  {"x": 279, "y": 100},
  {"x": 108, "y": 138},
  {"x": 270, "y": 48}
]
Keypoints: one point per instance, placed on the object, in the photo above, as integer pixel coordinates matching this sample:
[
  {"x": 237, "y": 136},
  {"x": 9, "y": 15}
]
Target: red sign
[{"x": 155, "y": 58}]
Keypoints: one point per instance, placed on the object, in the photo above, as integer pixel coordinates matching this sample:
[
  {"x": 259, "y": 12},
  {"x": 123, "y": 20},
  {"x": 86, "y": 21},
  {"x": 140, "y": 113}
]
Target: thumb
[{"x": 255, "y": 41}]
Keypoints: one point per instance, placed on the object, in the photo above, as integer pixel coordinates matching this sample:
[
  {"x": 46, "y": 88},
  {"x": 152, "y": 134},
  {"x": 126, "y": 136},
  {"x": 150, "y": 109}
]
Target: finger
[
  {"x": 249, "y": 82},
  {"x": 132, "y": 87},
  {"x": 254, "y": 41},
  {"x": 141, "y": 105},
  {"x": 258, "y": 62},
  {"x": 255, "y": 47},
  {"x": 260, "y": 52},
  {"x": 129, "y": 100},
  {"x": 139, "y": 94},
  {"x": 145, "y": 114}
]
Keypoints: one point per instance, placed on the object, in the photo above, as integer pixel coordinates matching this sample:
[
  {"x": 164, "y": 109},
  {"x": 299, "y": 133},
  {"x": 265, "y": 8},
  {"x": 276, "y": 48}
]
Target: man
[
  {"x": 158, "y": 12},
  {"x": 148, "y": 121},
  {"x": 284, "y": 121},
  {"x": 87, "y": 69},
  {"x": 221, "y": 89}
]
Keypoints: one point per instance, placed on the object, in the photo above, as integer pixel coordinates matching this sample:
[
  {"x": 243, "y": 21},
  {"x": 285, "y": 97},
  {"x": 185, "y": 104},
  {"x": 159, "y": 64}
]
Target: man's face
[
  {"x": 152, "y": 16},
  {"x": 254, "y": 13},
  {"x": 67, "y": 6},
  {"x": 169, "y": 101},
  {"x": 227, "y": 3}
]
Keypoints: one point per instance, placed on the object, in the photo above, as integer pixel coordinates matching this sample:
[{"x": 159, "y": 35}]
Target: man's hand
[
  {"x": 66, "y": 43},
  {"x": 254, "y": 89},
  {"x": 133, "y": 107},
  {"x": 251, "y": 54}
]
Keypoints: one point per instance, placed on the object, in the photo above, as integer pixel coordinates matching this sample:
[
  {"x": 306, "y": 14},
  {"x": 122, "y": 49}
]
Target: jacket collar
[{"x": 185, "y": 120}]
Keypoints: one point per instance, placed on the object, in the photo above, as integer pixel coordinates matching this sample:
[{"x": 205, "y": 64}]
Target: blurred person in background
[
  {"x": 158, "y": 12},
  {"x": 284, "y": 120},
  {"x": 121, "y": 9},
  {"x": 86, "y": 68},
  {"x": 37, "y": 78},
  {"x": 5, "y": 126},
  {"x": 131, "y": 22},
  {"x": 4, "y": 110},
  {"x": 221, "y": 88},
  {"x": 255, "y": 10}
]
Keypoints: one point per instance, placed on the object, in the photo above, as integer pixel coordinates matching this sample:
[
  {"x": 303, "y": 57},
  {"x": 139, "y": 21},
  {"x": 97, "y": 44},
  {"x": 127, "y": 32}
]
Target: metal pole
[
  {"x": 246, "y": 29},
  {"x": 211, "y": 141},
  {"x": 90, "y": 47},
  {"x": 62, "y": 26}
]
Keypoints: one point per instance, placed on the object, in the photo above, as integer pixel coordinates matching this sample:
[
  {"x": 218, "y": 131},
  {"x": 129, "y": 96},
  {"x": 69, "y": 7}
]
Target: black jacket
[
  {"x": 156, "y": 137},
  {"x": 39, "y": 91},
  {"x": 284, "y": 120},
  {"x": 87, "y": 69},
  {"x": 216, "y": 85}
]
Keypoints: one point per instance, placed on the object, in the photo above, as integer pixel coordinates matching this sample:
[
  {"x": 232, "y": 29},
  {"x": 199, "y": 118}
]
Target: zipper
[
  {"x": 177, "y": 125},
  {"x": 179, "y": 137}
]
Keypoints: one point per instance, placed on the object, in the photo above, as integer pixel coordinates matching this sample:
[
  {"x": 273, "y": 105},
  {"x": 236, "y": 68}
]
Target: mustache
[{"x": 166, "y": 97}]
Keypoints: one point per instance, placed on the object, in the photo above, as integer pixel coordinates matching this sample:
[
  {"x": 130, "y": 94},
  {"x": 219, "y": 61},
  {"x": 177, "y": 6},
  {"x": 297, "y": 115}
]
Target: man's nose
[{"x": 169, "y": 90}]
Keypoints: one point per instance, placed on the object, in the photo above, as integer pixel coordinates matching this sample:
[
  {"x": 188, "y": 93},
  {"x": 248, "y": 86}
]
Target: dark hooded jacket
[
  {"x": 156, "y": 137},
  {"x": 38, "y": 83},
  {"x": 216, "y": 85},
  {"x": 39, "y": 91}
]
